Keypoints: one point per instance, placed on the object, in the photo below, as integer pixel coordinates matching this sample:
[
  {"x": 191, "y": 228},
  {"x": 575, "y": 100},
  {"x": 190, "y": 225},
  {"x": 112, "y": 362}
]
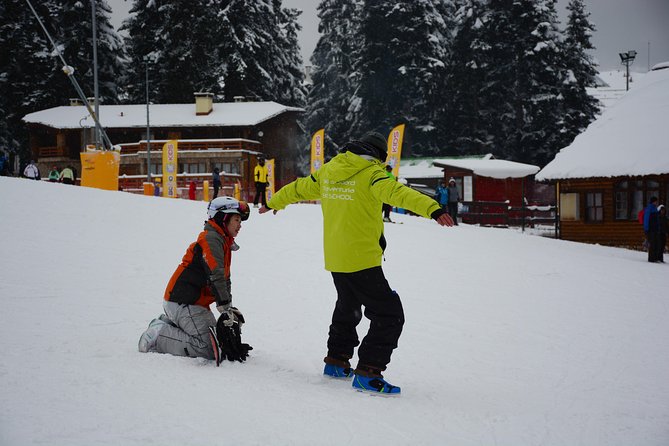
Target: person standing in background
[
  {"x": 216, "y": 181},
  {"x": 453, "y": 200},
  {"x": 260, "y": 177},
  {"x": 31, "y": 171},
  {"x": 54, "y": 175},
  {"x": 67, "y": 175},
  {"x": 386, "y": 207}
]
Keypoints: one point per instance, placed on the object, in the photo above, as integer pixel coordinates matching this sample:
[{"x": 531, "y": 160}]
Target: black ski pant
[
  {"x": 369, "y": 289},
  {"x": 260, "y": 193},
  {"x": 453, "y": 211}
]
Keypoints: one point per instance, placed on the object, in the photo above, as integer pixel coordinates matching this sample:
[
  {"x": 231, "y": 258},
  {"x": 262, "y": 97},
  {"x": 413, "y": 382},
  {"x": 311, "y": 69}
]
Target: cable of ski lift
[{"x": 69, "y": 72}]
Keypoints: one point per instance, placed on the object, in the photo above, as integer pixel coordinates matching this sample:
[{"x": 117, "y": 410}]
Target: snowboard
[{"x": 214, "y": 343}]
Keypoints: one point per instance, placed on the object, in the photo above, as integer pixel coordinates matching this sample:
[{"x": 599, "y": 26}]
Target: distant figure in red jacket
[{"x": 191, "y": 190}]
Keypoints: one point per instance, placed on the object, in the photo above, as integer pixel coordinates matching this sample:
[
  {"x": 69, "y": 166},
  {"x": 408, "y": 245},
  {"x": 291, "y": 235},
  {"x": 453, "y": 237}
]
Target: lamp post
[
  {"x": 147, "y": 59},
  {"x": 627, "y": 59}
]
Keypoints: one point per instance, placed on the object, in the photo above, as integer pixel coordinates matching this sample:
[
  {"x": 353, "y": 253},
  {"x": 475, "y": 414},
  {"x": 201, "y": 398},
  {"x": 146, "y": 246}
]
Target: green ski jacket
[{"x": 352, "y": 190}]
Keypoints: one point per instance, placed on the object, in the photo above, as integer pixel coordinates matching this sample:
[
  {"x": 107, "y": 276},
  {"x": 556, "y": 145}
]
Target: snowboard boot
[
  {"x": 147, "y": 342},
  {"x": 337, "y": 368},
  {"x": 370, "y": 380}
]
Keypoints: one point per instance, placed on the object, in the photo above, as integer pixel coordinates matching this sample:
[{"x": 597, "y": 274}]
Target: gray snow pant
[{"x": 188, "y": 335}]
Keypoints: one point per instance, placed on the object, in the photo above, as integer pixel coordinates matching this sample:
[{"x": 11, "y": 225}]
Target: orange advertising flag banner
[
  {"x": 99, "y": 169},
  {"x": 170, "y": 166},
  {"x": 270, "y": 179},
  {"x": 317, "y": 150},
  {"x": 395, "y": 140}
]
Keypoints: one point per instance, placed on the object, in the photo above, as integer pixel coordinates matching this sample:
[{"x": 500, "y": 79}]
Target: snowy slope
[{"x": 510, "y": 339}]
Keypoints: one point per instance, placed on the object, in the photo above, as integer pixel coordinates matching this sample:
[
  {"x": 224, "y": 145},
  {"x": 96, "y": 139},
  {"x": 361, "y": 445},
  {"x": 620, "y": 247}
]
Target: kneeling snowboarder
[{"x": 188, "y": 326}]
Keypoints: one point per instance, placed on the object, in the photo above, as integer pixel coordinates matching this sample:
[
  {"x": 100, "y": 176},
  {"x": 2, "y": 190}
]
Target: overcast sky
[{"x": 622, "y": 25}]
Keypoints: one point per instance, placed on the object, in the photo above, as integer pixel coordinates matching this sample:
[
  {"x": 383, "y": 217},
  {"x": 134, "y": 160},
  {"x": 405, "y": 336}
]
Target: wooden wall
[{"x": 609, "y": 231}]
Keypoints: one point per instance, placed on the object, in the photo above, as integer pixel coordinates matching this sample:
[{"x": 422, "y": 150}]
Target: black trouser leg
[
  {"x": 453, "y": 211},
  {"x": 260, "y": 192},
  {"x": 368, "y": 288}
]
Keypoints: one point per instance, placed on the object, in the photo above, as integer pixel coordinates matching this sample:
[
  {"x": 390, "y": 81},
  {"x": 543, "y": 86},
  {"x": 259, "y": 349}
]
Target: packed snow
[{"x": 510, "y": 339}]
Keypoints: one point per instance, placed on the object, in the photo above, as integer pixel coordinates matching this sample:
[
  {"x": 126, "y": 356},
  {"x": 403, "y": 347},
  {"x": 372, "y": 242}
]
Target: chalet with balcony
[{"x": 228, "y": 136}]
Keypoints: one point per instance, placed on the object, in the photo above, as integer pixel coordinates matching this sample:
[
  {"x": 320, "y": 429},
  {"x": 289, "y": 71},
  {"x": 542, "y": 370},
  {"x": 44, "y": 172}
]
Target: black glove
[{"x": 230, "y": 339}]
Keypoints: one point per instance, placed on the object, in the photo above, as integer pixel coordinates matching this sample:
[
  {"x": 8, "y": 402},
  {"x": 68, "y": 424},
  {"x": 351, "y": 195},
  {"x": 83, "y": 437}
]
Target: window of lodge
[{"x": 631, "y": 196}]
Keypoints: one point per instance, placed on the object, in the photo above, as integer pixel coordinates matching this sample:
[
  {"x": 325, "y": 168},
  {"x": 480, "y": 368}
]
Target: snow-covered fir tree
[
  {"x": 229, "y": 48},
  {"x": 289, "y": 74},
  {"x": 466, "y": 116},
  {"x": 329, "y": 97},
  {"x": 174, "y": 41},
  {"x": 396, "y": 69},
  {"x": 525, "y": 77},
  {"x": 31, "y": 77},
  {"x": 260, "y": 51},
  {"x": 580, "y": 108}
]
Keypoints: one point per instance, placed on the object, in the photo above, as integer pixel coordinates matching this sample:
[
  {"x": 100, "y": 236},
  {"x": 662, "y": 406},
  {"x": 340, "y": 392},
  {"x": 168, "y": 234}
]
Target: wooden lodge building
[
  {"x": 228, "y": 136},
  {"x": 610, "y": 171}
]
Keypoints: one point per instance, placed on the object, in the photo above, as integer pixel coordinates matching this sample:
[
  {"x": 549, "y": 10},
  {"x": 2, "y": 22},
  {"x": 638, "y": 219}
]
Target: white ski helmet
[{"x": 228, "y": 205}]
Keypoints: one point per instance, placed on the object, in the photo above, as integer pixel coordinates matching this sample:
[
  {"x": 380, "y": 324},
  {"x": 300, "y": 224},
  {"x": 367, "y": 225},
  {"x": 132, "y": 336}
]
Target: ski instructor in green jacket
[{"x": 352, "y": 188}]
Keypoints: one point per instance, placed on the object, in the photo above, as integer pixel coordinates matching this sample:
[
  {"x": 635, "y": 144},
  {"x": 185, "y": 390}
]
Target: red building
[{"x": 495, "y": 192}]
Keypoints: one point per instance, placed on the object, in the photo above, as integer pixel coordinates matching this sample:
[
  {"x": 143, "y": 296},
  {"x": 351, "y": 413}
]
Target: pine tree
[
  {"x": 289, "y": 88},
  {"x": 396, "y": 69},
  {"x": 175, "y": 39},
  {"x": 465, "y": 120},
  {"x": 329, "y": 98},
  {"x": 32, "y": 78},
  {"x": 580, "y": 108},
  {"x": 525, "y": 78}
]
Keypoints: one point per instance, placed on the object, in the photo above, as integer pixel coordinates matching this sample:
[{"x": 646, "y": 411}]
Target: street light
[{"x": 627, "y": 59}]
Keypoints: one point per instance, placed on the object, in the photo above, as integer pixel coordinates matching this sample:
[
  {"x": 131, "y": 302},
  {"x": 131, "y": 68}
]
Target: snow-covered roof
[
  {"x": 630, "y": 138},
  {"x": 224, "y": 114},
  {"x": 419, "y": 168},
  {"x": 490, "y": 167}
]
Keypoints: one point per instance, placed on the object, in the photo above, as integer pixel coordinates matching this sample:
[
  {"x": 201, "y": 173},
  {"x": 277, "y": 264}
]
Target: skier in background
[
  {"x": 352, "y": 187},
  {"x": 202, "y": 278}
]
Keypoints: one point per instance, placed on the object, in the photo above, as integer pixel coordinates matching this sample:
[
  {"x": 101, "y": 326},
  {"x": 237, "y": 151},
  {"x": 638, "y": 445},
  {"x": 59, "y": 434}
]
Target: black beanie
[
  {"x": 379, "y": 143},
  {"x": 372, "y": 144}
]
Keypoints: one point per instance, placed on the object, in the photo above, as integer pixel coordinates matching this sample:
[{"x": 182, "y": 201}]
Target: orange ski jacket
[{"x": 203, "y": 277}]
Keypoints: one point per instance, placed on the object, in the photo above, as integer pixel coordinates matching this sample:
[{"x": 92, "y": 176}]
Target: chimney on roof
[
  {"x": 75, "y": 101},
  {"x": 204, "y": 103},
  {"x": 239, "y": 99}
]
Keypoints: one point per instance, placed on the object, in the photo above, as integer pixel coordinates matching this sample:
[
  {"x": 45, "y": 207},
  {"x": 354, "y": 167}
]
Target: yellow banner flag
[
  {"x": 270, "y": 179},
  {"x": 99, "y": 169},
  {"x": 170, "y": 166},
  {"x": 395, "y": 140},
  {"x": 317, "y": 150}
]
